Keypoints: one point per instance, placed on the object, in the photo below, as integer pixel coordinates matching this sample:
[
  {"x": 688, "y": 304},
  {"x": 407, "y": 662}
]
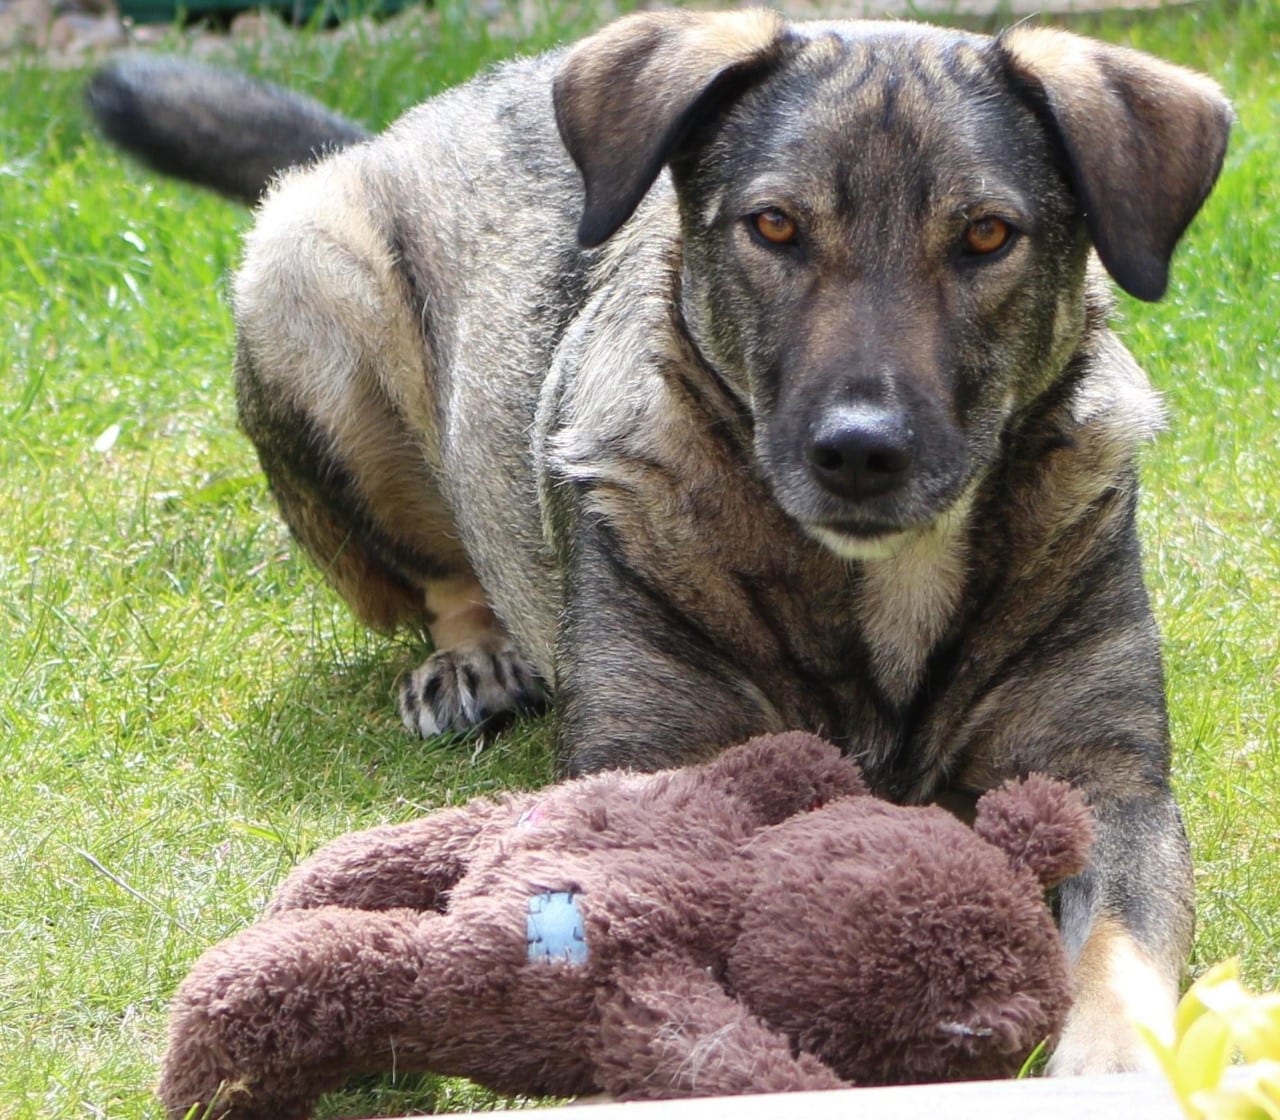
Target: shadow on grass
[
  {"x": 329, "y": 742},
  {"x": 408, "y": 1095}
]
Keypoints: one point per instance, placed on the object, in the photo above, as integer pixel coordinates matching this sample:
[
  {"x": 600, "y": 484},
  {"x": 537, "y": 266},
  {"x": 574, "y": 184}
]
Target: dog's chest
[
  {"x": 908, "y": 602},
  {"x": 843, "y": 648}
]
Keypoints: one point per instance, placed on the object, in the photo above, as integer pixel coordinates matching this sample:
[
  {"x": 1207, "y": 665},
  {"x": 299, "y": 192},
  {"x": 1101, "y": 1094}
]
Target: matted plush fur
[
  {"x": 721, "y": 375},
  {"x": 753, "y": 924}
]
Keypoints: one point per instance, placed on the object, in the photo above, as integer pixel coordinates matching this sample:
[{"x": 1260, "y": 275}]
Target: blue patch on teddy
[{"x": 554, "y": 931}]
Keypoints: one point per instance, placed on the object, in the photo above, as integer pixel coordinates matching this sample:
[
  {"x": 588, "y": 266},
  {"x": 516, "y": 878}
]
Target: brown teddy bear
[{"x": 756, "y": 923}]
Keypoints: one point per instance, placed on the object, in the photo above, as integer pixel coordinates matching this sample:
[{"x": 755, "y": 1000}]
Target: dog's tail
[{"x": 213, "y": 127}]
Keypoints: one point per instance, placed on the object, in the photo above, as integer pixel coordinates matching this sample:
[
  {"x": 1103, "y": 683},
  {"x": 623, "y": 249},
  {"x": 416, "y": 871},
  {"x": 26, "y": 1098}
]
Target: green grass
[{"x": 185, "y": 709}]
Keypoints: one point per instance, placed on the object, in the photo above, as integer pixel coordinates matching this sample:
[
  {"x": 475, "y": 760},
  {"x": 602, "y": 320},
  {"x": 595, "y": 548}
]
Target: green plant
[{"x": 1219, "y": 1021}]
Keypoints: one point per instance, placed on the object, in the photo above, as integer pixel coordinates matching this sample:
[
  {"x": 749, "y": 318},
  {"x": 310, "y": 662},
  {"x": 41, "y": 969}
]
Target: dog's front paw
[
  {"x": 471, "y": 685},
  {"x": 1116, "y": 985},
  {"x": 1094, "y": 1041}
]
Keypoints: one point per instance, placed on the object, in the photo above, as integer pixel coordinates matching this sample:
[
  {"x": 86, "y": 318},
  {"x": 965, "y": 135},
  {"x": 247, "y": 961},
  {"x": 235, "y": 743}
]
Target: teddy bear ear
[{"x": 1041, "y": 824}]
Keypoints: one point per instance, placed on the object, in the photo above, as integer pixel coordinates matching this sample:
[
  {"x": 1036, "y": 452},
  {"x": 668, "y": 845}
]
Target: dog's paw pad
[{"x": 467, "y": 687}]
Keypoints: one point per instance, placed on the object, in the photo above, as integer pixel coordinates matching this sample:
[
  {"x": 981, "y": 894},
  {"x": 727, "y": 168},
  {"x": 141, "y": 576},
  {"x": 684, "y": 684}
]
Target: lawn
[{"x": 185, "y": 709}]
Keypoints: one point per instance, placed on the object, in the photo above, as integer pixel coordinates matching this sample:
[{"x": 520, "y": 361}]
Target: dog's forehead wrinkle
[
  {"x": 851, "y": 90},
  {"x": 845, "y": 163}
]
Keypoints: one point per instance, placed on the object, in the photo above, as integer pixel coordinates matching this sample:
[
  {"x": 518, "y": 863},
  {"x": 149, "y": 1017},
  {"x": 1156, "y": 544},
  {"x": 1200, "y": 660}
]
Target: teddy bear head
[{"x": 925, "y": 947}]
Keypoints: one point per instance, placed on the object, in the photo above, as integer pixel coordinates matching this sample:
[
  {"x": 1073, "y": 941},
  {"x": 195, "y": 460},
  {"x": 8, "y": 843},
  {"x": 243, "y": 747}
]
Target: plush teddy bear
[{"x": 755, "y": 923}]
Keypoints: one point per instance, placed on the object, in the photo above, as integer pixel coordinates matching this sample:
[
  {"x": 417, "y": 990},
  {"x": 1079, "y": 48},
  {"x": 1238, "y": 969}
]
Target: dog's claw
[{"x": 467, "y": 687}]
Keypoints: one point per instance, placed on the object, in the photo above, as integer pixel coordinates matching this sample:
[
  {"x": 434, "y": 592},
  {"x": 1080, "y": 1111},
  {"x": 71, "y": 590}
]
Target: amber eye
[
  {"x": 775, "y": 227},
  {"x": 986, "y": 236}
]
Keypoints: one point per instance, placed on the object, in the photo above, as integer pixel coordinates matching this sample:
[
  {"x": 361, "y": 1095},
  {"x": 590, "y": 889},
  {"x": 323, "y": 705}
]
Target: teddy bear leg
[
  {"x": 670, "y": 1031},
  {"x": 292, "y": 1006},
  {"x": 403, "y": 865}
]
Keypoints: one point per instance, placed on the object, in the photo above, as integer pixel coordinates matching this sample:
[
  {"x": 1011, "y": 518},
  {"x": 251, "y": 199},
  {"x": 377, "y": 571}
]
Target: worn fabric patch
[{"x": 554, "y": 931}]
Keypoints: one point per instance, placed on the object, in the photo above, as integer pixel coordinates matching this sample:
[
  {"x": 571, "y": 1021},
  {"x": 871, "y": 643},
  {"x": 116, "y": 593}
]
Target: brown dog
[{"x": 731, "y": 376}]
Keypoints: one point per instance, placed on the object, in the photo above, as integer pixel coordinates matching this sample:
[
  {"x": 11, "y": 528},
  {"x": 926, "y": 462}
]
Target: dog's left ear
[
  {"x": 626, "y": 96},
  {"x": 1144, "y": 139}
]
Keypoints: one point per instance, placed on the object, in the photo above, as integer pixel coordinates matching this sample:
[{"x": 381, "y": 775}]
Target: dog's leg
[
  {"x": 336, "y": 386},
  {"x": 638, "y": 687},
  {"x": 476, "y": 673},
  {"x": 1127, "y": 923}
]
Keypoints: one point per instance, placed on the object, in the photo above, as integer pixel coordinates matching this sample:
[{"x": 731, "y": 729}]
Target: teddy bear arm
[
  {"x": 412, "y": 865},
  {"x": 292, "y": 1006},
  {"x": 670, "y": 1030}
]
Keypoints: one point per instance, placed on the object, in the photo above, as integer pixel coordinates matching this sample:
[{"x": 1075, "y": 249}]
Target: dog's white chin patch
[
  {"x": 862, "y": 548},
  {"x": 931, "y": 535}
]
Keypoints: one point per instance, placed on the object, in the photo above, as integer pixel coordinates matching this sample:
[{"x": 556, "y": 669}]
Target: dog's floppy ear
[
  {"x": 627, "y": 96},
  {"x": 1144, "y": 139}
]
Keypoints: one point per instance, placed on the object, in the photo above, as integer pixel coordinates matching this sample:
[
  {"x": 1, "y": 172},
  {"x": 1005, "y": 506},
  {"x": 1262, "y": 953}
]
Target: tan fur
[
  {"x": 1115, "y": 984},
  {"x": 672, "y": 57},
  {"x": 702, "y": 43},
  {"x": 1121, "y": 113},
  {"x": 307, "y": 216},
  {"x": 1048, "y": 50},
  {"x": 459, "y": 612},
  {"x": 911, "y": 596},
  {"x": 340, "y": 320}
]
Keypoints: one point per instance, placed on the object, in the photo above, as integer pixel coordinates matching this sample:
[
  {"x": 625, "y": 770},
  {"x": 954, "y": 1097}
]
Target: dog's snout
[{"x": 862, "y": 453}]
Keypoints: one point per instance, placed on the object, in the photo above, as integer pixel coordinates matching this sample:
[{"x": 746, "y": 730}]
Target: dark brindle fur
[{"x": 870, "y": 480}]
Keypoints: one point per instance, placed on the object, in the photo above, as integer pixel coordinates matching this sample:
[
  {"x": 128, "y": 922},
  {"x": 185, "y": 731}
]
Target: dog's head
[{"x": 886, "y": 227}]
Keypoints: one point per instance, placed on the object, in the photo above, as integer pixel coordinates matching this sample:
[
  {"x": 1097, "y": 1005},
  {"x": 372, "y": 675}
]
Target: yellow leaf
[
  {"x": 1192, "y": 1005},
  {"x": 1163, "y": 1052},
  {"x": 1256, "y": 1028},
  {"x": 1201, "y": 1054},
  {"x": 1225, "y": 1104},
  {"x": 1226, "y": 997},
  {"x": 1252, "y": 1093},
  {"x": 1265, "y": 1077}
]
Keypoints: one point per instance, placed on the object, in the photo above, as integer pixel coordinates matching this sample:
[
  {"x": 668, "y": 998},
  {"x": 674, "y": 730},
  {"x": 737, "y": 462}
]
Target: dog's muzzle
[
  {"x": 864, "y": 477},
  {"x": 862, "y": 452}
]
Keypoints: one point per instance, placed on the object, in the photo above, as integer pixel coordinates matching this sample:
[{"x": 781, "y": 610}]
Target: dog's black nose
[{"x": 862, "y": 452}]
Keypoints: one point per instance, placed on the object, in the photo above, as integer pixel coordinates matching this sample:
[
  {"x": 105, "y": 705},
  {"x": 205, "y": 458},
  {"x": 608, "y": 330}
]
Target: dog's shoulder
[
  {"x": 1078, "y": 446},
  {"x": 613, "y": 390}
]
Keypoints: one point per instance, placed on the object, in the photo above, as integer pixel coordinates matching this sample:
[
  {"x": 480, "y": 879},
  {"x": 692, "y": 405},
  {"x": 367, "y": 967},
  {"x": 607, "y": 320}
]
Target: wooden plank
[{"x": 1129, "y": 1096}]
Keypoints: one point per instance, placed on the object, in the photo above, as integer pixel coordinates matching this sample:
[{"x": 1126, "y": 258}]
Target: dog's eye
[
  {"x": 986, "y": 236},
  {"x": 775, "y": 226}
]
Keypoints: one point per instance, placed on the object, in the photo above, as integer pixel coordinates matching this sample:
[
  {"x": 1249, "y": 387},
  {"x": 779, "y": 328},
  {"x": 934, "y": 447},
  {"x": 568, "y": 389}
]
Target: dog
[{"x": 720, "y": 375}]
